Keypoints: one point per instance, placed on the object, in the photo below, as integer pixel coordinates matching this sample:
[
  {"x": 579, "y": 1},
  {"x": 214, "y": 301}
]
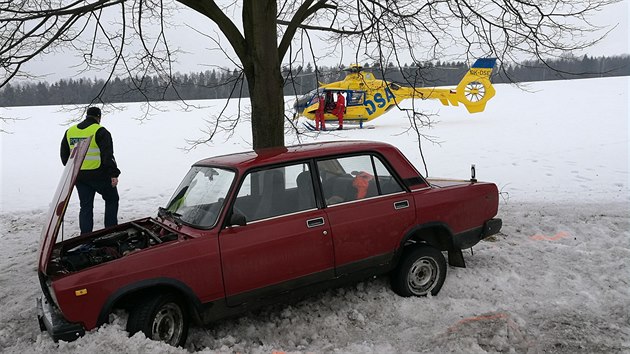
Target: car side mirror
[{"x": 238, "y": 219}]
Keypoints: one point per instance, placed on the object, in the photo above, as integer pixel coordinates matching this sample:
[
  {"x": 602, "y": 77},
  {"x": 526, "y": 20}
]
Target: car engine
[{"x": 102, "y": 248}]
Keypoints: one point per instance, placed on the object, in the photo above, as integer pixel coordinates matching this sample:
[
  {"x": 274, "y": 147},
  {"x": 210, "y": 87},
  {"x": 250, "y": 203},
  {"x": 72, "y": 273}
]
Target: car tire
[
  {"x": 421, "y": 271},
  {"x": 161, "y": 317}
]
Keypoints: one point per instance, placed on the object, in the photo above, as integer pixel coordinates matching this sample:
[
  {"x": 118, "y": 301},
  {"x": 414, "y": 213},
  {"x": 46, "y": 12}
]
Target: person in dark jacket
[{"x": 99, "y": 172}]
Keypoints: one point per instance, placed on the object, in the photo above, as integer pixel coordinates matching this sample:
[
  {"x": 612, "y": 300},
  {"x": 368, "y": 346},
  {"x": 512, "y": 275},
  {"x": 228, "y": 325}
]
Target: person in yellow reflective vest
[{"x": 99, "y": 171}]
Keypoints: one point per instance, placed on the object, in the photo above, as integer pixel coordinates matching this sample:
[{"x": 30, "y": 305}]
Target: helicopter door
[
  {"x": 329, "y": 99},
  {"x": 355, "y": 108}
]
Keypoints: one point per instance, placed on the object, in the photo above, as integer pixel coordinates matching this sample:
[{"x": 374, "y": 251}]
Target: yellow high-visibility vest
[{"x": 93, "y": 157}]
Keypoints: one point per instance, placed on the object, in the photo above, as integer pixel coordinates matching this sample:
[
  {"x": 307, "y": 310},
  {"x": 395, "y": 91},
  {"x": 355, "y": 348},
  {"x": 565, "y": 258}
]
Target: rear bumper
[
  {"x": 470, "y": 238},
  {"x": 491, "y": 227},
  {"x": 51, "y": 320}
]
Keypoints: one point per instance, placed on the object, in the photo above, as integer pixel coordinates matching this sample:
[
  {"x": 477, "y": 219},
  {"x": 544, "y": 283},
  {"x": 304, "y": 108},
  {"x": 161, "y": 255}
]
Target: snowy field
[{"x": 556, "y": 280}]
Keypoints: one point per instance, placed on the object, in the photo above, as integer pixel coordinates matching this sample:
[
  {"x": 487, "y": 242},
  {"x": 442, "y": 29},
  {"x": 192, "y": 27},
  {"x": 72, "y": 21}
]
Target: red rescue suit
[
  {"x": 320, "y": 122},
  {"x": 340, "y": 108}
]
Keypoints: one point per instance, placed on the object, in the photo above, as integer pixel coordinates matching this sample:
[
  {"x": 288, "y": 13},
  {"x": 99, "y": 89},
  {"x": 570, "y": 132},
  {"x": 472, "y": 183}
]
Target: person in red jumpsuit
[
  {"x": 339, "y": 109},
  {"x": 320, "y": 122}
]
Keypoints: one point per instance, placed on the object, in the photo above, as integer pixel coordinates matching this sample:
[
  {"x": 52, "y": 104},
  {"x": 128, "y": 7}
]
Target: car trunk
[{"x": 444, "y": 182}]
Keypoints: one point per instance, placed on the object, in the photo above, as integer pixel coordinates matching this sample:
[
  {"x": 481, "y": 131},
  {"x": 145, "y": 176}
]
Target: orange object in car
[{"x": 361, "y": 182}]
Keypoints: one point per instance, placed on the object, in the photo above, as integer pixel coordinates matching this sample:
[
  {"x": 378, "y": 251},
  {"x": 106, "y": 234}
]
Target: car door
[
  {"x": 286, "y": 241},
  {"x": 368, "y": 209}
]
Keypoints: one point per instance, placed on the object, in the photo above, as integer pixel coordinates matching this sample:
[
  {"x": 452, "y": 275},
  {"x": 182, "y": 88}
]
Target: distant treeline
[{"x": 221, "y": 83}]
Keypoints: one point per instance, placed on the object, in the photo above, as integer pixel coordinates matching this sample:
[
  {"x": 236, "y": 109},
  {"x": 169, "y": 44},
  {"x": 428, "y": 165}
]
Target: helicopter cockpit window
[
  {"x": 314, "y": 96},
  {"x": 313, "y": 100},
  {"x": 355, "y": 98}
]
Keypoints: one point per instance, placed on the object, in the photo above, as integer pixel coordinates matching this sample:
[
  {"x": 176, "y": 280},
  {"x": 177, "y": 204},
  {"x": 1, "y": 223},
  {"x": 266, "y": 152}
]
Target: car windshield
[{"x": 201, "y": 196}]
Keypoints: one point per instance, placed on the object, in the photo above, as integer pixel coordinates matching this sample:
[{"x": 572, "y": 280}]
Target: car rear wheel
[
  {"x": 161, "y": 317},
  {"x": 421, "y": 271}
]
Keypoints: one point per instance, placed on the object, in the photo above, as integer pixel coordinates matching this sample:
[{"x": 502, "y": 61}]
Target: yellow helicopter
[{"x": 368, "y": 98}]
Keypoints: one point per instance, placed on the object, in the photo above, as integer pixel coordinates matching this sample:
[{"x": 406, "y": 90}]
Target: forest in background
[{"x": 224, "y": 83}]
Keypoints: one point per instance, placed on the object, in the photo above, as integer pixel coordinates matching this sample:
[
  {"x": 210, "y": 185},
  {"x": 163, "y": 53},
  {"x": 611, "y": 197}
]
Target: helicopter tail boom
[{"x": 473, "y": 91}]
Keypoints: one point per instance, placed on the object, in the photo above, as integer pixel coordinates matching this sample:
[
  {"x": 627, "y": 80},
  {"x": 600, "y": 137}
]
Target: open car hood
[{"x": 60, "y": 202}]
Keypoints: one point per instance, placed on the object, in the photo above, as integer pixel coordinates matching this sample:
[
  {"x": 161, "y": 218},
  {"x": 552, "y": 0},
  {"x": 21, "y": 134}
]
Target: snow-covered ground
[{"x": 555, "y": 280}]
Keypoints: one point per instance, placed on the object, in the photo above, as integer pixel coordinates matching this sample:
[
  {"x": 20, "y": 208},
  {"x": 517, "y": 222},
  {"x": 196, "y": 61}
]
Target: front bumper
[{"x": 51, "y": 320}]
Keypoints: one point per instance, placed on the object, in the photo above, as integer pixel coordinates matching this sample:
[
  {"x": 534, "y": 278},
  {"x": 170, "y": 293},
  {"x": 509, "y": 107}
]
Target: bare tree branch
[
  {"x": 129, "y": 37},
  {"x": 210, "y": 9},
  {"x": 302, "y": 13}
]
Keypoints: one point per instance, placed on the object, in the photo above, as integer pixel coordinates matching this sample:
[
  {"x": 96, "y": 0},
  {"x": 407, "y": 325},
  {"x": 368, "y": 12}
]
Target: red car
[{"x": 249, "y": 229}]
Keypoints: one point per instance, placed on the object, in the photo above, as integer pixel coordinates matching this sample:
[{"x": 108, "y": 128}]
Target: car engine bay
[{"x": 83, "y": 252}]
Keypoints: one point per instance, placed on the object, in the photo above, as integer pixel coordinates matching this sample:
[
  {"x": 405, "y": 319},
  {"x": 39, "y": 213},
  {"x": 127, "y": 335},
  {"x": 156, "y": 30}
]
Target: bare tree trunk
[
  {"x": 262, "y": 69},
  {"x": 267, "y": 110}
]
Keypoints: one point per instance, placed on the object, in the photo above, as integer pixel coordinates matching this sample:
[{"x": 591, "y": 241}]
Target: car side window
[
  {"x": 275, "y": 191},
  {"x": 352, "y": 178},
  {"x": 387, "y": 183}
]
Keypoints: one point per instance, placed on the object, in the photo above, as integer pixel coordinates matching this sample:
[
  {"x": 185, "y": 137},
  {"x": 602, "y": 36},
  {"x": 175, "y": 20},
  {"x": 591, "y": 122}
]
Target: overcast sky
[{"x": 201, "y": 57}]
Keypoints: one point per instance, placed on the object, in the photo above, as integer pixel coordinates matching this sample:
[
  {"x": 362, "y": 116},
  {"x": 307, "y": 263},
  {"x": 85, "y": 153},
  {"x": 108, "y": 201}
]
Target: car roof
[{"x": 269, "y": 156}]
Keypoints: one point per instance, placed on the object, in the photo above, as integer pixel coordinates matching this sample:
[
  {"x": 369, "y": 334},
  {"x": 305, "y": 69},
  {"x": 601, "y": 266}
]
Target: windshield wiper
[{"x": 165, "y": 213}]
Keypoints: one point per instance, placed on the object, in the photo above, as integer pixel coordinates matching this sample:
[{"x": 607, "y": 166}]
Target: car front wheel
[
  {"x": 421, "y": 271},
  {"x": 161, "y": 317}
]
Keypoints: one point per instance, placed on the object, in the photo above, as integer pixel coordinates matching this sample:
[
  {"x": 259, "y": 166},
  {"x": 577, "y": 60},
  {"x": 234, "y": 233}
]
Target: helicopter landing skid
[{"x": 312, "y": 128}]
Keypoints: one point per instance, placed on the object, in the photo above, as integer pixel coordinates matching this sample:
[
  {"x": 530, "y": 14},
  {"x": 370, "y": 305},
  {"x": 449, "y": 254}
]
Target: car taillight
[{"x": 51, "y": 291}]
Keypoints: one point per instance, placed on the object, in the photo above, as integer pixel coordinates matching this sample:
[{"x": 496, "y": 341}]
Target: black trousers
[{"x": 87, "y": 190}]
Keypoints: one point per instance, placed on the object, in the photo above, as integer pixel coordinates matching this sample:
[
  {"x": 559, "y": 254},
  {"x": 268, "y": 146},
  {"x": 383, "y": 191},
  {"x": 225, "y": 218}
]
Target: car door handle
[
  {"x": 315, "y": 222},
  {"x": 401, "y": 204}
]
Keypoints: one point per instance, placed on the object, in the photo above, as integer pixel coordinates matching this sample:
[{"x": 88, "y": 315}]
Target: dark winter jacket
[{"x": 108, "y": 168}]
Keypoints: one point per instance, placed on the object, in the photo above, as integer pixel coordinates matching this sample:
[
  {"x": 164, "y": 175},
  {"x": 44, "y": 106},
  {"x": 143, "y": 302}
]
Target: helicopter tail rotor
[{"x": 475, "y": 89}]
